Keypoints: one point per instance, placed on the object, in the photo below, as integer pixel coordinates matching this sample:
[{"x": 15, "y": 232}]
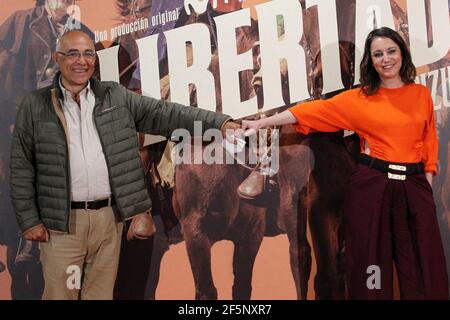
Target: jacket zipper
[{"x": 102, "y": 99}]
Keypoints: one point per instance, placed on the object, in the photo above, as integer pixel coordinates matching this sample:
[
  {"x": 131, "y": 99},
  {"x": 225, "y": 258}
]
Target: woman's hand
[
  {"x": 429, "y": 177},
  {"x": 279, "y": 119},
  {"x": 251, "y": 127}
]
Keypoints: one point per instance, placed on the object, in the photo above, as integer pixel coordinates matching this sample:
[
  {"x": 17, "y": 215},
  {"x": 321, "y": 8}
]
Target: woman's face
[{"x": 386, "y": 58}]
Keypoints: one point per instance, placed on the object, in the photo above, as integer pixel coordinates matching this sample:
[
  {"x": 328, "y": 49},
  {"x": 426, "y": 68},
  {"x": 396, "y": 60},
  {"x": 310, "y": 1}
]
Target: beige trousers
[{"x": 83, "y": 264}]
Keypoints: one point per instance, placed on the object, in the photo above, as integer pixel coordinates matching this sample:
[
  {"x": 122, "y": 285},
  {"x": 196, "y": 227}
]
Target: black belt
[
  {"x": 92, "y": 205},
  {"x": 392, "y": 168}
]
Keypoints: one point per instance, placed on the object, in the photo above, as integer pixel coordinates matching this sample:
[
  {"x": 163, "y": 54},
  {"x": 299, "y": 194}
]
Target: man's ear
[{"x": 56, "y": 57}]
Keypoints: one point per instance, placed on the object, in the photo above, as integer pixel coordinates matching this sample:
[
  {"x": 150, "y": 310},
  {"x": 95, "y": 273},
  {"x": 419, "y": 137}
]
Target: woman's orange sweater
[{"x": 398, "y": 124}]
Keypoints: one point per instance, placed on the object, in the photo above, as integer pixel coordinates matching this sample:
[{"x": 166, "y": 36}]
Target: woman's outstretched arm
[{"x": 285, "y": 117}]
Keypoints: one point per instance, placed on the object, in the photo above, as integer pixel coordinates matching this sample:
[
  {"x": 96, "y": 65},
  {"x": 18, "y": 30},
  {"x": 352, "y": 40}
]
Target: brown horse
[
  {"x": 304, "y": 187},
  {"x": 206, "y": 201},
  {"x": 247, "y": 242},
  {"x": 210, "y": 210}
]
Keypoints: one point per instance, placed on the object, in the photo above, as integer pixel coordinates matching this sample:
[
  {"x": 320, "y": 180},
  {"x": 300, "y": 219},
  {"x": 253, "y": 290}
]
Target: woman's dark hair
[{"x": 370, "y": 79}]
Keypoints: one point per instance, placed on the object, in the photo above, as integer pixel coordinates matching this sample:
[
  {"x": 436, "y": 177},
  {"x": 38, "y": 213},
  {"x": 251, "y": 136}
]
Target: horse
[
  {"x": 306, "y": 165},
  {"x": 213, "y": 211},
  {"x": 305, "y": 193}
]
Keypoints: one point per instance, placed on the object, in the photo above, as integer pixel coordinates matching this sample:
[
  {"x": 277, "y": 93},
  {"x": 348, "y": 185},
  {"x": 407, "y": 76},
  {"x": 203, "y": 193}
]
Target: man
[
  {"x": 76, "y": 173},
  {"x": 27, "y": 40}
]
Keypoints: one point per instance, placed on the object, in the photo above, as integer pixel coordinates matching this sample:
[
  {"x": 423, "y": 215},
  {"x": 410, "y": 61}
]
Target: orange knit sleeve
[
  {"x": 329, "y": 115},
  {"x": 430, "y": 141}
]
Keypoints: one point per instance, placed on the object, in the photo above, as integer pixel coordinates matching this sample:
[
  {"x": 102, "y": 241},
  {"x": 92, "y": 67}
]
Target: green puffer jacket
[{"x": 40, "y": 181}]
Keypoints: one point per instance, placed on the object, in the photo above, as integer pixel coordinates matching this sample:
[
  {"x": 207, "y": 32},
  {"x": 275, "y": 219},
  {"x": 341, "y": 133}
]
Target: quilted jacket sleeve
[
  {"x": 22, "y": 179},
  {"x": 160, "y": 117}
]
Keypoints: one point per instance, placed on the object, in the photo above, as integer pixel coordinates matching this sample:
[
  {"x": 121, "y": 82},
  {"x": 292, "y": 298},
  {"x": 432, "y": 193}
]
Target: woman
[{"x": 389, "y": 208}]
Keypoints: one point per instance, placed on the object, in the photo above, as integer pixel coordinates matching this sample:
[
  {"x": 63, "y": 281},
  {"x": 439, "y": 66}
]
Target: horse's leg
[
  {"x": 325, "y": 224},
  {"x": 295, "y": 216},
  {"x": 160, "y": 247},
  {"x": 246, "y": 246},
  {"x": 198, "y": 246}
]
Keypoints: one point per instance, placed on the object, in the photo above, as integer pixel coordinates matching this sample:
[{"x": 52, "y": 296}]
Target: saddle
[{"x": 160, "y": 177}]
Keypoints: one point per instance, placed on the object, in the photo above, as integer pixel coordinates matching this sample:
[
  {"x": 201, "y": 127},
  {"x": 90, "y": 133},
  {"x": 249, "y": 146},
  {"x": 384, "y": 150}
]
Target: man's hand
[
  {"x": 230, "y": 126},
  {"x": 141, "y": 226},
  {"x": 36, "y": 233},
  {"x": 232, "y": 131}
]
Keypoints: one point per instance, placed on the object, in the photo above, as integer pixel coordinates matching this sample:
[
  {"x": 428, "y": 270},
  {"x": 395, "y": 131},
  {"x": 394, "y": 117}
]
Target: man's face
[
  {"x": 58, "y": 8},
  {"x": 75, "y": 59}
]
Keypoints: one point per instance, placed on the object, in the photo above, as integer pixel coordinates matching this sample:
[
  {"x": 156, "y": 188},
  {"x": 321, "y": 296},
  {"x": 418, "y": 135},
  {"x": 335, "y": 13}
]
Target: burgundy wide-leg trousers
[{"x": 390, "y": 221}]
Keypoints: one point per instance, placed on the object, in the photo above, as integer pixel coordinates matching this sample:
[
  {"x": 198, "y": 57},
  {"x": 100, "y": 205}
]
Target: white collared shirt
[{"x": 88, "y": 170}]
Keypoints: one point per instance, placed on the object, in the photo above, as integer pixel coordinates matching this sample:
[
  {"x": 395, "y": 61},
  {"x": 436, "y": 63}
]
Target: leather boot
[
  {"x": 141, "y": 227},
  {"x": 253, "y": 186},
  {"x": 25, "y": 252}
]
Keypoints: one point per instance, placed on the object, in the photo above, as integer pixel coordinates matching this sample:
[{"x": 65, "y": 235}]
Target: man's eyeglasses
[{"x": 75, "y": 54}]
